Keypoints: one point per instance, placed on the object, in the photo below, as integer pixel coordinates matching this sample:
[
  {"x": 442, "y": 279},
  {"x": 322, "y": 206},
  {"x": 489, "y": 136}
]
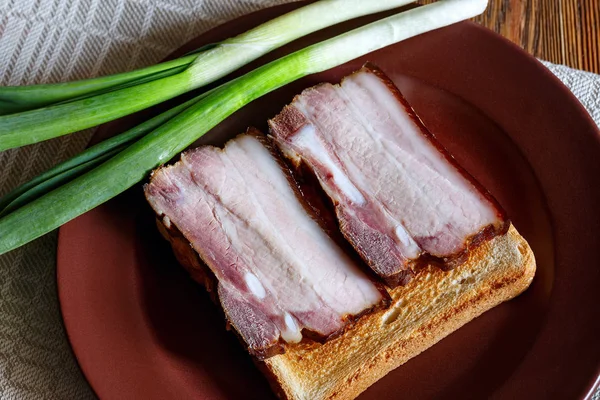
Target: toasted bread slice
[{"x": 431, "y": 306}]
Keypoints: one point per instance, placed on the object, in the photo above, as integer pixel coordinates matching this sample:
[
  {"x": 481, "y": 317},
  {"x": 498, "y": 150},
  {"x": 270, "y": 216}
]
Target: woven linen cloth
[{"x": 44, "y": 41}]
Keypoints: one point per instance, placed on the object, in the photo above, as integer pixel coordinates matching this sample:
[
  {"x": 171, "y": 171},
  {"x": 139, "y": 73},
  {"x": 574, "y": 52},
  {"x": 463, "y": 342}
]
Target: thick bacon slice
[
  {"x": 398, "y": 194},
  {"x": 278, "y": 272}
]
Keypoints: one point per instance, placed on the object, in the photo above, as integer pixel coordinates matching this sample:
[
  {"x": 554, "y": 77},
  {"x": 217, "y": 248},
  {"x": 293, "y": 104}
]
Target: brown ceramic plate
[{"x": 141, "y": 329}]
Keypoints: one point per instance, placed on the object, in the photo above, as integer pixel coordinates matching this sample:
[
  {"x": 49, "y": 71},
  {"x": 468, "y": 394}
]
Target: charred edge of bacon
[
  {"x": 290, "y": 120},
  {"x": 487, "y": 233}
]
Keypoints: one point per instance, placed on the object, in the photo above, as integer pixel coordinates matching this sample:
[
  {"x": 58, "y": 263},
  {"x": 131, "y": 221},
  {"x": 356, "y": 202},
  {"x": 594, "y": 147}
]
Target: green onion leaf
[
  {"x": 35, "y": 191},
  {"x": 22, "y": 98},
  {"x": 97, "y": 151}
]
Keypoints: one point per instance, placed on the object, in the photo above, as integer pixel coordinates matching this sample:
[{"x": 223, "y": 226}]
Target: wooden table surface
[{"x": 560, "y": 31}]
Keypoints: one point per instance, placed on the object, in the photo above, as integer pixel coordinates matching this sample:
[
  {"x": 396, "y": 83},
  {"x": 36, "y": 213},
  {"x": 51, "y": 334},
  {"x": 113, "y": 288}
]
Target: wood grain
[{"x": 561, "y": 31}]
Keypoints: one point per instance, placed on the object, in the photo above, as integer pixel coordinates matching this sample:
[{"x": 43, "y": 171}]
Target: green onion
[
  {"x": 55, "y": 120},
  {"x": 32, "y": 192},
  {"x": 134, "y": 163},
  {"x": 61, "y": 173},
  {"x": 22, "y": 98}
]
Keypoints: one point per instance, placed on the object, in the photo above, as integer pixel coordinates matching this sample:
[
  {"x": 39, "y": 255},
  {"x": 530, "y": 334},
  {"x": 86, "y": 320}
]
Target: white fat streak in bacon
[{"x": 307, "y": 138}]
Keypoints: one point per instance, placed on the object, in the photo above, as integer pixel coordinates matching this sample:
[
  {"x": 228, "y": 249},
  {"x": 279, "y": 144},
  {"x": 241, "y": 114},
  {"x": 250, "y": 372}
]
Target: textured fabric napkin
[{"x": 58, "y": 40}]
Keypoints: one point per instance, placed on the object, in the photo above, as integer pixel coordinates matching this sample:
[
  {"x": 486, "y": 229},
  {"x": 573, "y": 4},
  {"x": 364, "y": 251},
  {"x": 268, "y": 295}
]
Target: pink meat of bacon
[
  {"x": 278, "y": 272},
  {"x": 398, "y": 195}
]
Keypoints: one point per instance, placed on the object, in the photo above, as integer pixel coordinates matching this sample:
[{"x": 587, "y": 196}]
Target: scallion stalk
[
  {"x": 22, "y": 98},
  {"x": 134, "y": 163},
  {"x": 32, "y": 192},
  {"x": 33, "y": 126},
  {"x": 60, "y": 174}
]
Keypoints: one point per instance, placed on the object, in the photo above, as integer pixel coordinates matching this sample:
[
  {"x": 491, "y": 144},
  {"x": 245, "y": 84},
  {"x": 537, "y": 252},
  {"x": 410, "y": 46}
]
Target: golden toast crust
[{"x": 427, "y": 309}]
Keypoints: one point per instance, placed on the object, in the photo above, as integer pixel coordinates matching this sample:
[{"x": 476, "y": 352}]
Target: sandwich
[{"x": 342, "y": 244}]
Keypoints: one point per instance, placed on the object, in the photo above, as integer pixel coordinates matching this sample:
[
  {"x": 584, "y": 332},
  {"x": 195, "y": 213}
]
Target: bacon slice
[
  {"x": 278, "y": 272},
  {"x": 398, "y": 195}
]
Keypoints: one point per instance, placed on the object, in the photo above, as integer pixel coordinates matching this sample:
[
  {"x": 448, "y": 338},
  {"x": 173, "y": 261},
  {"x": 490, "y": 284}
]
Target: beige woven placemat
[{"x": 58, "y": 40}]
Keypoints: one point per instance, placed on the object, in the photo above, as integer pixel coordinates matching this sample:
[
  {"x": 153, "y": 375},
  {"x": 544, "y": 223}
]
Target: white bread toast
[{"x": 431, "y": 306}]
